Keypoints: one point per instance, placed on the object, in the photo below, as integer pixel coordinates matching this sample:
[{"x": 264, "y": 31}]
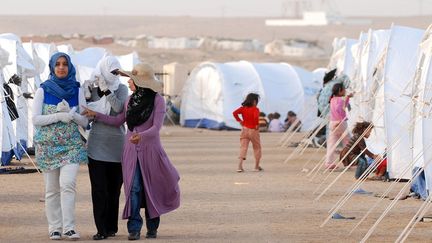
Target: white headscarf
[{"x": 103, "y": 70}]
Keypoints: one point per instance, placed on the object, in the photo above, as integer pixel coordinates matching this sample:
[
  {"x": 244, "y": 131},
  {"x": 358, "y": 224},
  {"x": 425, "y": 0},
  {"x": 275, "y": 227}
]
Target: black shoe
[
  {"x": 134, "y": 236},
  {"x": 72, "y": 235},
  {"x": 110, "y": 234},
  {"x": 55, "y": 235},
  {"x": 99, "y": 236},
  {"x": 152, "y": 234}
]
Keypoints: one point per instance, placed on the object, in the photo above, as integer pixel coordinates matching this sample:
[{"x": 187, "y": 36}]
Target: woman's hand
[
  {"x": 135, "y": 138},
  {"x": 88, "y": 113}
]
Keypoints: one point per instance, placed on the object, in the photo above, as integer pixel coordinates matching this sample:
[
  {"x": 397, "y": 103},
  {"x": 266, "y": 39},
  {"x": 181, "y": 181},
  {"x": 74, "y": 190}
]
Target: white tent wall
[
  {"x": 283, "y": 89},
  {"x": 68, "y": 49},
  {"x": 8, "y": 133},
  {"x": 377, "y": 141},
  {"x": 198, "y": 102},
  {"x": 88, "y": 57},
  {"x": 39, "y": 65},
  {"x": 399, "y": 70},
  {"x": 21, "y": 64},
  {"x": 214, "y": 90},
  {"x": 312, "y": 83},
  {"x": 44, "y": 51},
  {"x": 342, "y": 57},
  {"x": 422, "y": 137},
  {"x": 11, "y": 47},
  {"x": 421, "y": 110},
  {"x": 337, "y": 44},
  {"x": 86, "y": 60},
  {"x": 354, "y": 114},
  {"x": 240, "y": 79},
  {"x": 374, "y": 48},
  {"x": 128, "y": 61}
]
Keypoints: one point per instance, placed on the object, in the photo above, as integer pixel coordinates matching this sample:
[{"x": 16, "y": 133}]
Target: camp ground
[{"x": 389, "y": 70}]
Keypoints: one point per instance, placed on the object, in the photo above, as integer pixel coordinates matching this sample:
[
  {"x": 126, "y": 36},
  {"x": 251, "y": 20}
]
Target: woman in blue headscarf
[{"x": 59, "y": 148}]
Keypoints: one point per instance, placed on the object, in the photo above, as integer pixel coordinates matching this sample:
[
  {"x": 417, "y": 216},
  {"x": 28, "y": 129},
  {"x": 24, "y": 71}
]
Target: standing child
[
  {"x": 338, "y": 123},
  {"x": 250, "y": 124}
]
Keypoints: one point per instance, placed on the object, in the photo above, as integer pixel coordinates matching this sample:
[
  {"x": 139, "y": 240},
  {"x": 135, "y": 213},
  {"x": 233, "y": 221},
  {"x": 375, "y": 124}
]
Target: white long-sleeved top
[{"x": 44, "y": 120}]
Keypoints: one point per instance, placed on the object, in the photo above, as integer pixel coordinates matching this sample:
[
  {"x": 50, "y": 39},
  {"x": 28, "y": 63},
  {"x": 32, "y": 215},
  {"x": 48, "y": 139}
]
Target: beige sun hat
[{"x": 143, "y": 76}]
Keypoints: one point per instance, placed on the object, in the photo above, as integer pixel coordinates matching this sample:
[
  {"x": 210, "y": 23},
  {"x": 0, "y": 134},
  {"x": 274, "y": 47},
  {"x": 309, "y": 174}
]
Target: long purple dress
[{"x": 160, "y": 177}]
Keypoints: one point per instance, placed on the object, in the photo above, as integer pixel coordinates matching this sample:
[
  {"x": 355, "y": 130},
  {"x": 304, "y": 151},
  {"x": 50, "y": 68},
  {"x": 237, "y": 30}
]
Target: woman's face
[
  {"x": 342, "y": 92},
  {"x": 61, "y": 68},
  {"x": 132, "y": 86}
]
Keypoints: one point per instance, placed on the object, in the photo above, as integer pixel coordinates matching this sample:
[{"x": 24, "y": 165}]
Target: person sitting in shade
[
  {"x": 275, "y": 124},
  {"x": 292, "y": 122},
  {"x": 262, "y": 122}
]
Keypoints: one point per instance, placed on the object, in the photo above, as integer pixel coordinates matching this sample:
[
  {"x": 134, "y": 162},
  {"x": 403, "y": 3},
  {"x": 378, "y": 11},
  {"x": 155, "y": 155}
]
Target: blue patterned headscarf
[{"x": 62, "y": 88}]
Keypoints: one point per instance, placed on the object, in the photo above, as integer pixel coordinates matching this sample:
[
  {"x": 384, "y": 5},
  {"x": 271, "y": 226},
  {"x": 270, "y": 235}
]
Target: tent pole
[
  {"x": 415, "y": 219},
  {"x": 357, "y": 184},
  {"x": 22, "y": 147},
  {"x": 314, "y": 153},
  {"x": 296, "y": 150},
  {"x": 283, "y": 141}
]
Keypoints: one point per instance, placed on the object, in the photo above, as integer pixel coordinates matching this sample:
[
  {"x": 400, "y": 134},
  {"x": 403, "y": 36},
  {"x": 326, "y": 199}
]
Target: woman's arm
[
  {"x": 158, "y": 118},
  {"x": 79, "y": 119},
  {"x": 38, "y": 119},
  {"x": 112, "y": 120},
  {"x": 117, "y": 100}
]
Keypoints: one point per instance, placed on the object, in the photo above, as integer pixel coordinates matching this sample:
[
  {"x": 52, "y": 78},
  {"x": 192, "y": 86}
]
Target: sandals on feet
[
  {"x": 259, "y": 169},
  {"x": 240, "y": 170}
]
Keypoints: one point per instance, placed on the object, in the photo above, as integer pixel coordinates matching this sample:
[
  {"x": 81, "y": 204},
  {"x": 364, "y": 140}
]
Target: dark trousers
[
  {"x": 106, "y": 181},
  {"x": 135, "y": 221}
]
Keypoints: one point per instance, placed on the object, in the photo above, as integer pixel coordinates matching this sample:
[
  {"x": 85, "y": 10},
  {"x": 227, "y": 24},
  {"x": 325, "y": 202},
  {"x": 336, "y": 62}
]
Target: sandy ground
[{"x": 220, "y": 205}]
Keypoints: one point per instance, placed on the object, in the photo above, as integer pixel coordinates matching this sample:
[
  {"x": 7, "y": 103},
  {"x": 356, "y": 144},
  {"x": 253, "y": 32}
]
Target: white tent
[
  {"x": 214, "y": 90},
  {"x": 44, "y": 51},
  {"x": 422, "y": 140},
  {"x": 375, "y": 46},
  {"x": 368, "y": 101},
  {"x": 312, "y": 83},
  {"x": 399, "y": 71},
  {"x": 19, "y": 132},
  {"x": 354, "y": 114},
  {"x": 342, "y": 57}
]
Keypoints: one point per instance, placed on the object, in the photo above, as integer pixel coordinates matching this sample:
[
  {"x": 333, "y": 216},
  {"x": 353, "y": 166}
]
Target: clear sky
[{"x": 213, "y": 8}]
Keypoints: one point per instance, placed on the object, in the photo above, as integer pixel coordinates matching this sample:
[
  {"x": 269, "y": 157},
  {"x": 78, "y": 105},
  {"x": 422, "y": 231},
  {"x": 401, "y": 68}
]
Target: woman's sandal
[
  {"x": 240, "y": 170},
  {"x": 259, "y": 169}
]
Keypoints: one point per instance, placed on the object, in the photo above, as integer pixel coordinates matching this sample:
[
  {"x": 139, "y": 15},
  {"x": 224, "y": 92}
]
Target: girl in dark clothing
[{"x": 359, "y": 151}]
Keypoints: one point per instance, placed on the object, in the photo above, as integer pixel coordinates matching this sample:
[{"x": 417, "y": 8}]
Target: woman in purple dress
[{"x": 150, "y": 180}]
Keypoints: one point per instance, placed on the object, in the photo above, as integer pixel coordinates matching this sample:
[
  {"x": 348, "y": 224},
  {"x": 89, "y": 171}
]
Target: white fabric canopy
[{"x": 214, "y": 90}]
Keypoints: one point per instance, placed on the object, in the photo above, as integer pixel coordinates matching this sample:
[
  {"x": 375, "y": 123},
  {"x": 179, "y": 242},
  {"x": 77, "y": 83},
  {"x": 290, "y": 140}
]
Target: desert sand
[{"x": 221, "y": 205}]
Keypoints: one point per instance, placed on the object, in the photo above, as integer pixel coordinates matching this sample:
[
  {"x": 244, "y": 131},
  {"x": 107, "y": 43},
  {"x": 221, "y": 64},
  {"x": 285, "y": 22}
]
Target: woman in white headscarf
[{"x": 105, "y": 146}]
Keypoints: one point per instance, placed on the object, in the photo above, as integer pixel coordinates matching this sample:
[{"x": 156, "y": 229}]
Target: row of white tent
[
  {"x": 390, "y": 74},
  {"x": 214, "y": 90},
  {"x": 30, "y": 62}
]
